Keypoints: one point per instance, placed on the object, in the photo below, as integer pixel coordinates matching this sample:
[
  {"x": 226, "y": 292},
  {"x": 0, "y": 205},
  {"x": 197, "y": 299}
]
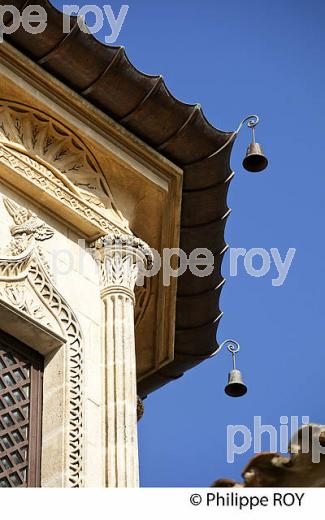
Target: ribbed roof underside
[{"x": 141, "y": 103}]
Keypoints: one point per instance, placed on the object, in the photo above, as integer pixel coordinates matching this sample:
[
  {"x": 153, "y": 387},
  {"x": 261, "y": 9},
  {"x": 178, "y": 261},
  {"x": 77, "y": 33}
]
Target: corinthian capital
[{"x": 121, "y": 258}]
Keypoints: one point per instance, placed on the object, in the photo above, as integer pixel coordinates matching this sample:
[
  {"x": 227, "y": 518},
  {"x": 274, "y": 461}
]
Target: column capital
[{"x": 121, "y": 258}]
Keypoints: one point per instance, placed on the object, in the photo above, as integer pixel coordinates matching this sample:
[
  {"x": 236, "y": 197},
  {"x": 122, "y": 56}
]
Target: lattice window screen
[{"x": 20, "y": 414}]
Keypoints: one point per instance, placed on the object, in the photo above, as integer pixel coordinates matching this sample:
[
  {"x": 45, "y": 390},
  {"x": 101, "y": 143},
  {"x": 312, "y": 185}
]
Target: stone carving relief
[
  {"x": 26, "y": 228},
  {"x": 48, "y": 154},
  {"x": 116, "y": 254},
  {"x": 72, "y": 331},
  {"x": 120, "y": 256},
  {"x": 26, "y": 285},
  {"x": 19, "y": 296}
]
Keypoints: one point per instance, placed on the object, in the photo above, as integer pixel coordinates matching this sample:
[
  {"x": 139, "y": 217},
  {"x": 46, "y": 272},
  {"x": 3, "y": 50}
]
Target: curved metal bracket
[
  {"x": 233, "y": 347},
  {"x": 251, "y": 120}
]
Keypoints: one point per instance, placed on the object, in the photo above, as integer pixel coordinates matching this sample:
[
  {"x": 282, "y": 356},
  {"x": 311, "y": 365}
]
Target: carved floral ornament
[
  {"x": 122, "y": 258},
  {"x": 52, "y": 157}
]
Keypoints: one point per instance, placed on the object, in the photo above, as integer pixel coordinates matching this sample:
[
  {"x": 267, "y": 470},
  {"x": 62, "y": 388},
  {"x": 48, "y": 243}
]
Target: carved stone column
[{"x": 121, "y": 258}]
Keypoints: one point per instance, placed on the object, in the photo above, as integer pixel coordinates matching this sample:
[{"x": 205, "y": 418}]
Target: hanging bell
[
  {"x": 235, "y": 386},
  {"x": 255, "y": 160}
]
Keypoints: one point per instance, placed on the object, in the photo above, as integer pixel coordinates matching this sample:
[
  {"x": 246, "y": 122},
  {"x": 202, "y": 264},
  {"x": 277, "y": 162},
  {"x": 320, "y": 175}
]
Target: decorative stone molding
[
  {"x": 52, "y": 159},
  {"x": 58, "y": 307},
  {"x": 121, "y": 258},
  {"x": 26, "y": 287},
  {"x": 16, "y": 290},
  {"x": 18, "y": 295}
]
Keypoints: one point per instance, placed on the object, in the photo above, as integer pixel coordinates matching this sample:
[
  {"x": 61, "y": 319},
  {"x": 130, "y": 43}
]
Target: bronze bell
[
  {"x": 255, "y": 160},
  {"x": 235, "y": 386}
]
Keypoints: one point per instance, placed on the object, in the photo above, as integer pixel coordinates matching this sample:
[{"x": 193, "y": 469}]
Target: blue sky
[{"x": 237, "y": 58}]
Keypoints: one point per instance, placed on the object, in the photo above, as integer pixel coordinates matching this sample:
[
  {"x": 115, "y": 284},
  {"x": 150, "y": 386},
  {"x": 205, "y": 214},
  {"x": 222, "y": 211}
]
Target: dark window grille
[{"x": 21, "y": 375}]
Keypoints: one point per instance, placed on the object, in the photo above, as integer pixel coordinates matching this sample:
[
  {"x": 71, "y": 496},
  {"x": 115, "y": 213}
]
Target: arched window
[{"x": 21, "y": 371}]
